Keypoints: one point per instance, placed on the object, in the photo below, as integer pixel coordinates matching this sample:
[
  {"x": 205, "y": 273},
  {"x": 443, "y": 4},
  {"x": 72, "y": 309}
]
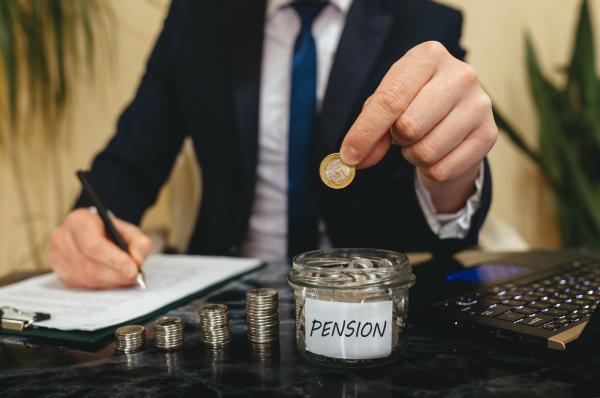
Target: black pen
[{"x": 88, "y": 188}]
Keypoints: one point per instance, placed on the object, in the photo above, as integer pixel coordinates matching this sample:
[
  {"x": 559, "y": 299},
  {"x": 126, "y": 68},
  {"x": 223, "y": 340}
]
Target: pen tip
[{"x": 140, "y": 281}]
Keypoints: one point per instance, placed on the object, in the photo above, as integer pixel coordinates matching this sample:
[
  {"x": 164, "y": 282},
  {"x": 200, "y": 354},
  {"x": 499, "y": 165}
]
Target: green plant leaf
[
  {"x": 584, "y": 95},
  {"x": 582, "y": 70},
  {"x": 549, "y": 106}
]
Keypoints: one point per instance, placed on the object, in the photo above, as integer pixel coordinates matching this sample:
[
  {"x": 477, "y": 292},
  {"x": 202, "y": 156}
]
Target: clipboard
[{"x": 35, "y": 329}]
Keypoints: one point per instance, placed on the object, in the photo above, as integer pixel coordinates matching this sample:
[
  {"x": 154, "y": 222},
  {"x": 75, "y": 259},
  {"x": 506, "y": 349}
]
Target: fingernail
[{"x": 349, "y": 155}]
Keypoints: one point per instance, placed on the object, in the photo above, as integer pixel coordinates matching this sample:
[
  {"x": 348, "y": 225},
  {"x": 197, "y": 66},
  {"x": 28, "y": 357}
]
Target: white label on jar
[{"x": 348, "y": 330}]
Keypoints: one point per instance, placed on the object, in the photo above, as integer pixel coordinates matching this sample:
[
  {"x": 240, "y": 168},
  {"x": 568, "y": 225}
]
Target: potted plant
[{"x": 569, "y": 136}]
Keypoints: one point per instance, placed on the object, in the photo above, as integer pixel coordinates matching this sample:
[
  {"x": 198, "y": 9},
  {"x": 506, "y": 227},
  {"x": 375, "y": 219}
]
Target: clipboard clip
[{"x": 14, "y": 319}]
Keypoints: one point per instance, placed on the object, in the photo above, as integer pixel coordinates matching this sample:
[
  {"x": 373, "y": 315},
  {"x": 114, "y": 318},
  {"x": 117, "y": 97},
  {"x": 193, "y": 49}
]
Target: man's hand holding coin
[{"x": 431, "y": 105}]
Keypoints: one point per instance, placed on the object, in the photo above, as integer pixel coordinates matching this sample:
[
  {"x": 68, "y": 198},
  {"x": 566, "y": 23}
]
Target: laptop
[{"x": 548, "y": 306}]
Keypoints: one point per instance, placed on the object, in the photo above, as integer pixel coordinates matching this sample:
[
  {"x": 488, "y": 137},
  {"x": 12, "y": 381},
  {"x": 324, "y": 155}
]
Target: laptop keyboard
[{"x": 550, "y": 303}]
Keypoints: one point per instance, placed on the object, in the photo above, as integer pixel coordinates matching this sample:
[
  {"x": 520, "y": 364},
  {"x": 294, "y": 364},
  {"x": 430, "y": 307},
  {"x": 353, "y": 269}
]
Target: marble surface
[{"x": 435, "y": 364}]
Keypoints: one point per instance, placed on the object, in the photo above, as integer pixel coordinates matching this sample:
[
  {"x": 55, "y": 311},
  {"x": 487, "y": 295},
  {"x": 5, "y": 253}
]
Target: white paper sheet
[{"x": 169, "y": 278}]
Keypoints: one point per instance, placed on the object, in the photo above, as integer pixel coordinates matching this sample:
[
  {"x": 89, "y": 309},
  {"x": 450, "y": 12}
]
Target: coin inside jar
[{"x": 335, "y": 173}]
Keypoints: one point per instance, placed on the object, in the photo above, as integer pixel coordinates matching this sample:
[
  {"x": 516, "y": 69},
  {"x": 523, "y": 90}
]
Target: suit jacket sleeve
[
  {"x": 129, "y": 172},
  {"x": 454, "y": 33}
]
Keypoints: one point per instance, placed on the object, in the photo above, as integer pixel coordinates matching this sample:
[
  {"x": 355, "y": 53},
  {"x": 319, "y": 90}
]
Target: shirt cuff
[{"x": 454, "y": 225}]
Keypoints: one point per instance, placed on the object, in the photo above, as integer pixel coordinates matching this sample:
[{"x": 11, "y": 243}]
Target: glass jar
[{"x": 351, "y": 305}]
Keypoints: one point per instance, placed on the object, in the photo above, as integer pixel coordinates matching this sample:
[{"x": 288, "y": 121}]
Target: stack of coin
[
  {"x": 214, "y": 323},
  {"x": 262, "y": 316},
  {"x": 130, "y": 338},
  {"x": 168, "y": 333}
]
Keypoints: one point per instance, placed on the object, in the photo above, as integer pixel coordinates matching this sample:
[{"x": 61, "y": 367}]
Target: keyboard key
[
  {"x": 529, "y": 298},
  {"x": 466, "y": 301},
  {"x": 555, "y": 312},
  {"x": 581, "y": 302},
  {"x": 585, "y": 312},
  {"x": 489, "y": 300},
  {"x": 539, "y": 305},
  {"x": 567, "y": 306},
  {"x": 551, "y": 300},
  {"x": 510, "y": 316},
  {"x": 514, "y": 303},
  {"x": 562, "y": 321},
  {"x": 562, "y": 296},
  {"x": 551, "y": 326},
  {"x": 495, "y": 310},
  {"x": 526, "y": 310},
  {"x": 537, "y": 320}
]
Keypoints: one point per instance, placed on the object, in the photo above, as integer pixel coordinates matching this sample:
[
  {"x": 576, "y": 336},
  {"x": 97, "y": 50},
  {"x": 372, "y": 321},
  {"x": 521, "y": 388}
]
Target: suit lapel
[
  {"x": 361, "y": 41},
  {"x": 245, "y": 38}
]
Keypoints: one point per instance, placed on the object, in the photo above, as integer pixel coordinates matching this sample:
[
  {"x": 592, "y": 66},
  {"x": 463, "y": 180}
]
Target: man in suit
[{"x": 268, "y": 88}]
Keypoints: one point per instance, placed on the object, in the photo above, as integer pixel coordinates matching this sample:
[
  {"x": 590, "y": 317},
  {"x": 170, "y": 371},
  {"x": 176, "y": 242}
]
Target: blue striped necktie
[{"x": 302, "y": 201}]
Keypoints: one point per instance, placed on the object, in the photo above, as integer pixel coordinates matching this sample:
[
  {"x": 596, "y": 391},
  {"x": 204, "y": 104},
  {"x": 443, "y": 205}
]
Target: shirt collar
[{"x": 275, "y": 5}]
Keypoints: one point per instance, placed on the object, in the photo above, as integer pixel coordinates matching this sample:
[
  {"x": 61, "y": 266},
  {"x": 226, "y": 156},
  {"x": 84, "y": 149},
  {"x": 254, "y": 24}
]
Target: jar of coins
[{"x": 351, "y": 305}]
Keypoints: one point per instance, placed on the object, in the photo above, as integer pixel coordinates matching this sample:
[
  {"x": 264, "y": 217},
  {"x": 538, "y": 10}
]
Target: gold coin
[{"x": 335, "y": 173}]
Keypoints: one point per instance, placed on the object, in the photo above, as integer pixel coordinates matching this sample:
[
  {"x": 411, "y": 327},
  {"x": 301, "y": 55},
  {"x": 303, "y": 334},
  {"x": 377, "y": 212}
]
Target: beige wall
[{"x": 493, "y": 35}]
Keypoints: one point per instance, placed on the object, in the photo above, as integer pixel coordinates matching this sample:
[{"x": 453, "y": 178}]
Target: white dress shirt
[{"x": 267, "y": 231}]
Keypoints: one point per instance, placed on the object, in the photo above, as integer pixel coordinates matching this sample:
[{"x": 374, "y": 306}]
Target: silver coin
[
  {"x": 129, "y": 338},
  {"x": 129, "y": 329},
  {"x": 169, "y": 321}
]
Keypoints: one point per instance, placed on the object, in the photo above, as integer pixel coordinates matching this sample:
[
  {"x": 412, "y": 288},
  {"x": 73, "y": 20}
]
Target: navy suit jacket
[{"x": 202, "y": 81}]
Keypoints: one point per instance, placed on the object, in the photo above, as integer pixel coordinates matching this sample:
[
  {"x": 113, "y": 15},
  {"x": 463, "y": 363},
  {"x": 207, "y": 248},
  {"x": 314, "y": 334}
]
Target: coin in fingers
[{"x": 335, "y": 173}]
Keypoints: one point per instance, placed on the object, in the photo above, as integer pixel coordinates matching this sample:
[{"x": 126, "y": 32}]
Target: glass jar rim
[{"x": 346, "y": 269}]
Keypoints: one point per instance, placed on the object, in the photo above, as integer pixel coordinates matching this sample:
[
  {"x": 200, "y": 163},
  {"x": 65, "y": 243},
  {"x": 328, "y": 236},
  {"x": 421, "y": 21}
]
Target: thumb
[{"x": 139, "y": 244}]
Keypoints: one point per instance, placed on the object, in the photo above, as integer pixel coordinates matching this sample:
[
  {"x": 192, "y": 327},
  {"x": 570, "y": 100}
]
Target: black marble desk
[{"x": 434, "y": 364}]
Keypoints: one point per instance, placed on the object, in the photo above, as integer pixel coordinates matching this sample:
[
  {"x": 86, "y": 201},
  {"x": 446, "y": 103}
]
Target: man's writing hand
[{"x": 82, "y": 256}]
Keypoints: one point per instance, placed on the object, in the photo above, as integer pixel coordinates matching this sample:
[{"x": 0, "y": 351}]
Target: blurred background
[{"x": 39, "y": 154}]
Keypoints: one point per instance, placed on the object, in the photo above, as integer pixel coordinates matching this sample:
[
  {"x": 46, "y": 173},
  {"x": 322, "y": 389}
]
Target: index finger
[{"x": 399, "y": 87}]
